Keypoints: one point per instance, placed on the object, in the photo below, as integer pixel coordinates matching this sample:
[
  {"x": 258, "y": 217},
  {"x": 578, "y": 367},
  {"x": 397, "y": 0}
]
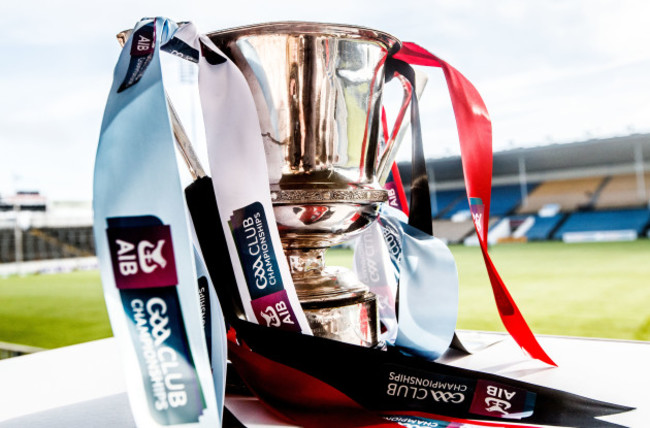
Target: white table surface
[{"x": 83, "y": 385}]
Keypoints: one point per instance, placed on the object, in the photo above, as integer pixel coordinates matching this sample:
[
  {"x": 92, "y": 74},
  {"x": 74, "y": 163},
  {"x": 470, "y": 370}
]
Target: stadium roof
[{"x": 617, "y": 155}]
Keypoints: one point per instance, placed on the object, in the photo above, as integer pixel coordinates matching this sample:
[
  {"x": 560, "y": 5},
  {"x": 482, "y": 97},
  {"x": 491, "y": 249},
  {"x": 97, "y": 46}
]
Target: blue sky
[{"x": 549, "y": 71}]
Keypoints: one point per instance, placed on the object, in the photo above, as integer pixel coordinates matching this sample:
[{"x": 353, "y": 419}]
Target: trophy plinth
[
  {"x": 337, "y": 305},
  {"x": 318, "y": 93}
]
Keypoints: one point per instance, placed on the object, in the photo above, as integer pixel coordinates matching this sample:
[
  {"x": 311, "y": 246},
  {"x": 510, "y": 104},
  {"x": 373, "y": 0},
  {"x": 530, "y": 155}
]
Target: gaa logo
[
  {"x": 447, "y": 397},
  {"x": 259, "y": 273},
  {"x": 414, "y": 393}
]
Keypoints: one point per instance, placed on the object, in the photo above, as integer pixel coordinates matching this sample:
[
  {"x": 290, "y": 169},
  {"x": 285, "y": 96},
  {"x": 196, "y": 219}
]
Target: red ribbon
[
  {"x": 475, "y": 135},
  {"x": 299, "y": 397},
  {"x": 394, "y": 170}
]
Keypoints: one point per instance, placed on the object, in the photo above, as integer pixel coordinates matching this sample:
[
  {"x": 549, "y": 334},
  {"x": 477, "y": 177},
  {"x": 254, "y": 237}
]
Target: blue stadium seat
[
  {"x": 542, "y": 228},
  {"x": 594, "y": 221},
  {"x": 446, "y": 200},
  {"x": 504, "y": 199}
]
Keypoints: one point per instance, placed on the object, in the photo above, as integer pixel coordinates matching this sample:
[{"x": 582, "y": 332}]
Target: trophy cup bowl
[{"x": 318, "y": 93}]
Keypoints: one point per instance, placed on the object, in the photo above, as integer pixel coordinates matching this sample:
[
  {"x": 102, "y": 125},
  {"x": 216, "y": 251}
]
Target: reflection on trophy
[{"x": 318, "y": 92}]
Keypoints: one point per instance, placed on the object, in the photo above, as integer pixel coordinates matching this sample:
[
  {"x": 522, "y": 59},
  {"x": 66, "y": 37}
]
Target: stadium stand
[
  {"x": 442, "y": 201},
  {"x": 623, "y": 191},
  {"x": 565, "y": 182},
  {"x": 47, "y": 243},
  {"x": 32, "y": 229},
  {"x": 460, "y": 205},
  {"x": 505, "y": 198},
  {"x": 7, "y": 246},
  {"x": 543, "y": 227},
  {"x": 570, "y": 194},
  {"x": 605, "y": 221}
]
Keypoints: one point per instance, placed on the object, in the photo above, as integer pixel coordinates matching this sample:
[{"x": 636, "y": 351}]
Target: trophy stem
[
  {"x": 337, "y": 305},
  {"x": 305, "y": 263}
]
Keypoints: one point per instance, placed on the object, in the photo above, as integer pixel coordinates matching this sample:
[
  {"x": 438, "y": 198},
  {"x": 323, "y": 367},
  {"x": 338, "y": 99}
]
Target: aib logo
[
  {"x": 271, "y": 317},
  {"x": 143, "y": 40},
  {"x": 498, "y": 400},
  {"x": 502, "y": 401},
  {"x": 143, "y": 44},
  {"x": 274, "y": 310},
  {"x": 275, "y": 316},
  {"x": 477, "y": 209},
  {"x": 147, "y": 258},
  {"x": 142, "y": 256}
]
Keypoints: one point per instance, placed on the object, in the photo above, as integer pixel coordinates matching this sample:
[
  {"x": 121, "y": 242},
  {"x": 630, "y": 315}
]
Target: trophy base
[
  {"x": 337, "y": 305},
  {"x": 353, "y": 322}
]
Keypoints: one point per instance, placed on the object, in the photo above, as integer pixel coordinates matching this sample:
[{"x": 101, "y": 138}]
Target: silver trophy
[{"x": 318, "y": 92}]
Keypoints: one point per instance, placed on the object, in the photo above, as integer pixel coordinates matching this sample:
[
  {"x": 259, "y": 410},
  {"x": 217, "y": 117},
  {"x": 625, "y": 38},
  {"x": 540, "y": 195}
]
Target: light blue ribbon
[
  {"x": 136, "y": 174},
  {"x": 428, "y": 288}
]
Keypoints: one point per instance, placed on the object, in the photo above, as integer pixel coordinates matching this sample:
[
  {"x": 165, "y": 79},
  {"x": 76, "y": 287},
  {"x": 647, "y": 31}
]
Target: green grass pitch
[
  {"x": 590, "y": 289},
  {"x": 594, "y": 290},
  {"x": 49, "y": 311}
]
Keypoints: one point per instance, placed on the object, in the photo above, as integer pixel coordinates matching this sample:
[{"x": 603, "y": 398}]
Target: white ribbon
[{"x": 241, "y": 184}]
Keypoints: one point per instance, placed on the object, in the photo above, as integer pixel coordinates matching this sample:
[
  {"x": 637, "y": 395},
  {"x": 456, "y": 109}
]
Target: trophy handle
[
  {"x": 389, "y": 149},
  {"x": 123, "y": 37}
]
